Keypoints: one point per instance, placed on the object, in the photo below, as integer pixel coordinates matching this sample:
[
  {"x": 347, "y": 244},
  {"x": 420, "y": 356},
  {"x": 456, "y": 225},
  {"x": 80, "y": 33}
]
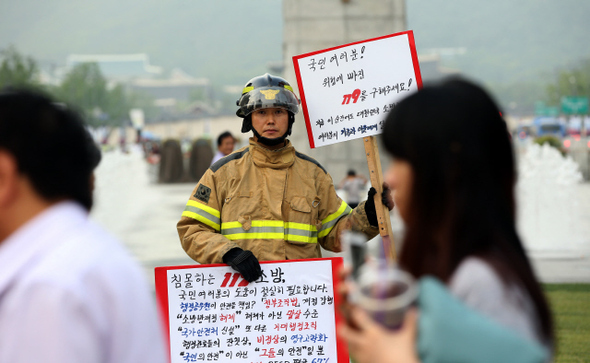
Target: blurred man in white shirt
[
  {"x": 225, "y": 145},
  {"x": 69, "y": 292}
]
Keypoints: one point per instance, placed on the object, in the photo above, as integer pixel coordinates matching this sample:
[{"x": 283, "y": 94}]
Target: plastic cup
[{"x": 385, "y": 293}]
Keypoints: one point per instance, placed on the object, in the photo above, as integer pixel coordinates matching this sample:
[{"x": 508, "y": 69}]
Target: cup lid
[{"x": 376, "y": 290}]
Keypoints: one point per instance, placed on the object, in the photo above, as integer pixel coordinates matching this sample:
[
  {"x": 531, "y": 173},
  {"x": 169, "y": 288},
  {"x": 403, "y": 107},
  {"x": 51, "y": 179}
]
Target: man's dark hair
[
  {"x": 223, "y": 136},
  {"x": 50, "y": 143}
]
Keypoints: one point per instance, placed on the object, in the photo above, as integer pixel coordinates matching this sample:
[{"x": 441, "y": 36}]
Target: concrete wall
[
  {"x": 208, "y": 128},
  {"x": 189, "y": 130},
  {"x": 311, "y": 25}
]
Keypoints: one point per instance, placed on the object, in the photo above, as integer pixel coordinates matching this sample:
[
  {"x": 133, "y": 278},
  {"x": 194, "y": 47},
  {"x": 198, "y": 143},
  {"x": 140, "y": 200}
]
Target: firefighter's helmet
[{"x": 267, "y": 91}]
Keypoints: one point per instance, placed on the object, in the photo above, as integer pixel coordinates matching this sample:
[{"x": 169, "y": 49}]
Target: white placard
[
  {"x": 288, "y": 315},
  {"x": 347, "y": 91}
]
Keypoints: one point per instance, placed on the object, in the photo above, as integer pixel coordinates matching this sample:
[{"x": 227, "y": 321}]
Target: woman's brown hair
[{"x": 462, "y": 201}]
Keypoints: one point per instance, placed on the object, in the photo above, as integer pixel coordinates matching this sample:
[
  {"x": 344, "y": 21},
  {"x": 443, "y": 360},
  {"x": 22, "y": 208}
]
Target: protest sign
[
  {"x": 289, "y": 315},
  {"x": 347, "y": 91}
]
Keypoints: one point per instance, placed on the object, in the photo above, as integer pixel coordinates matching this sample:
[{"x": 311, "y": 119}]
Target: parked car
[{"x": 549, "y": 126}]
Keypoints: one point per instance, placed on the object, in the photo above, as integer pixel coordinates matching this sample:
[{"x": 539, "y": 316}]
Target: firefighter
[{"x": 266, "y": 201}]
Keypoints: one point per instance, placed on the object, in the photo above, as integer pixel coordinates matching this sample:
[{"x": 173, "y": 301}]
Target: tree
[
  {"x": 570, "y": 82},
  {"x": 117, "y": 106},
  {"x": 85, "y": 87},
  {"x": 18, "y": 70}
]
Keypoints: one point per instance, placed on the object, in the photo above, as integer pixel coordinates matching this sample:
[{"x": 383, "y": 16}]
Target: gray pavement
[{"x": 143, "y": 215}]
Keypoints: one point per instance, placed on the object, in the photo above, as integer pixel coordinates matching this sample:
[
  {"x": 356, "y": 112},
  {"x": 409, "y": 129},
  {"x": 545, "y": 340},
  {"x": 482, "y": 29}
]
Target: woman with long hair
[{"x": 453, "y": 175}]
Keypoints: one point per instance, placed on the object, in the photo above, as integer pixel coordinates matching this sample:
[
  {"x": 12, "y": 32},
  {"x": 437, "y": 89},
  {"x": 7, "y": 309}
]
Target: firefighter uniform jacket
[{"x": 279, "y": 204}]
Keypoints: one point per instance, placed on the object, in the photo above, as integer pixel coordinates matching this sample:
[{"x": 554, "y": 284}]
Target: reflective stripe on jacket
[{"x": 279, "y": 204}]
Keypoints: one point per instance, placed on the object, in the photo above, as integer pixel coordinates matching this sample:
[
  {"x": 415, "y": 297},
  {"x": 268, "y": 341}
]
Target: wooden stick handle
[{"x": 376, "y": 175}]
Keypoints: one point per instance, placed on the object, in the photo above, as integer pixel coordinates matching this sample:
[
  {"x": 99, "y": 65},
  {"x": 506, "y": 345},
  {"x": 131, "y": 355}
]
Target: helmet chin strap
[
  {"x": 270, "y": 142},
  {"x": 277, "y": 140}
]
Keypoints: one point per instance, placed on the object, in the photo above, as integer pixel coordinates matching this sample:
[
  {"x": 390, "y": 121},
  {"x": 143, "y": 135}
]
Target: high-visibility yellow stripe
[
  {"x": 337, "y": 214},
  {"x": 330, "y": 221},
  {"x": 256, "y": 223},
  {"x": 309, "y": 232},
  {"x": 248, "y": 89},
  {"x": 303, "y": 226},
  {"x": 324, "y": 232},
  {"x": 260, "y": 229},
  {"x": 297, "y": 238},
  {"x": 226, "y": 225},
  {"x": 204, "y": 207},
  {"x": 202, "y": 213},
  {"x": 267, "y": 223},
  {"x": 202, "y": 219},
  {"x": 254, "y": 235}
]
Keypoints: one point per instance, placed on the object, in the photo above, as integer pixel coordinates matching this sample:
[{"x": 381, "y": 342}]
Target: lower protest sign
[{"x": 289, "y": 315}]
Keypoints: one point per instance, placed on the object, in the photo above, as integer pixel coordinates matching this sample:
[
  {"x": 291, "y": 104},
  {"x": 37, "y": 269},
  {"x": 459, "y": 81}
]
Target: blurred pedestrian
[
  {"x": 171, "y": 165},
  {"x": 69, "y": 292},
  {"x": 123, "y": 139},
  {"x": 225, "y": 145},
  {"x": 355, "y": 186},
  {"x": 452, "y": 176},
  {"x": 266, "y": 201}
]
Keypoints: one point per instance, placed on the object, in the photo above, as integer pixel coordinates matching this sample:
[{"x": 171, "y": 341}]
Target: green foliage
[
  {"x": 505, "y": 40},
  {"x": 87, "y": 89},
  {"x": 552, "y": 141},
  {"x": 117, "y": 104},
  {"x": 574, "y": 81},
  {"x": 518, "y": 98},
  {"x": 570, "y": 304},
  {"x": 215, "y": 39},
  {"x": 17, "y": 70}
]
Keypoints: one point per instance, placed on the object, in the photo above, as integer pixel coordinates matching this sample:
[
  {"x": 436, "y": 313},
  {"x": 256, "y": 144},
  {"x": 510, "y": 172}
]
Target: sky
[{"x": 502, "y": 40}]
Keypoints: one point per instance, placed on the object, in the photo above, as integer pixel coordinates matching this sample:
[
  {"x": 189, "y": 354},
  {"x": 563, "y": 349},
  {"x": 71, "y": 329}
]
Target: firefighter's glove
[
  {"x": 244, "y": 262},
  {"x": 370, "y": 204}
]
